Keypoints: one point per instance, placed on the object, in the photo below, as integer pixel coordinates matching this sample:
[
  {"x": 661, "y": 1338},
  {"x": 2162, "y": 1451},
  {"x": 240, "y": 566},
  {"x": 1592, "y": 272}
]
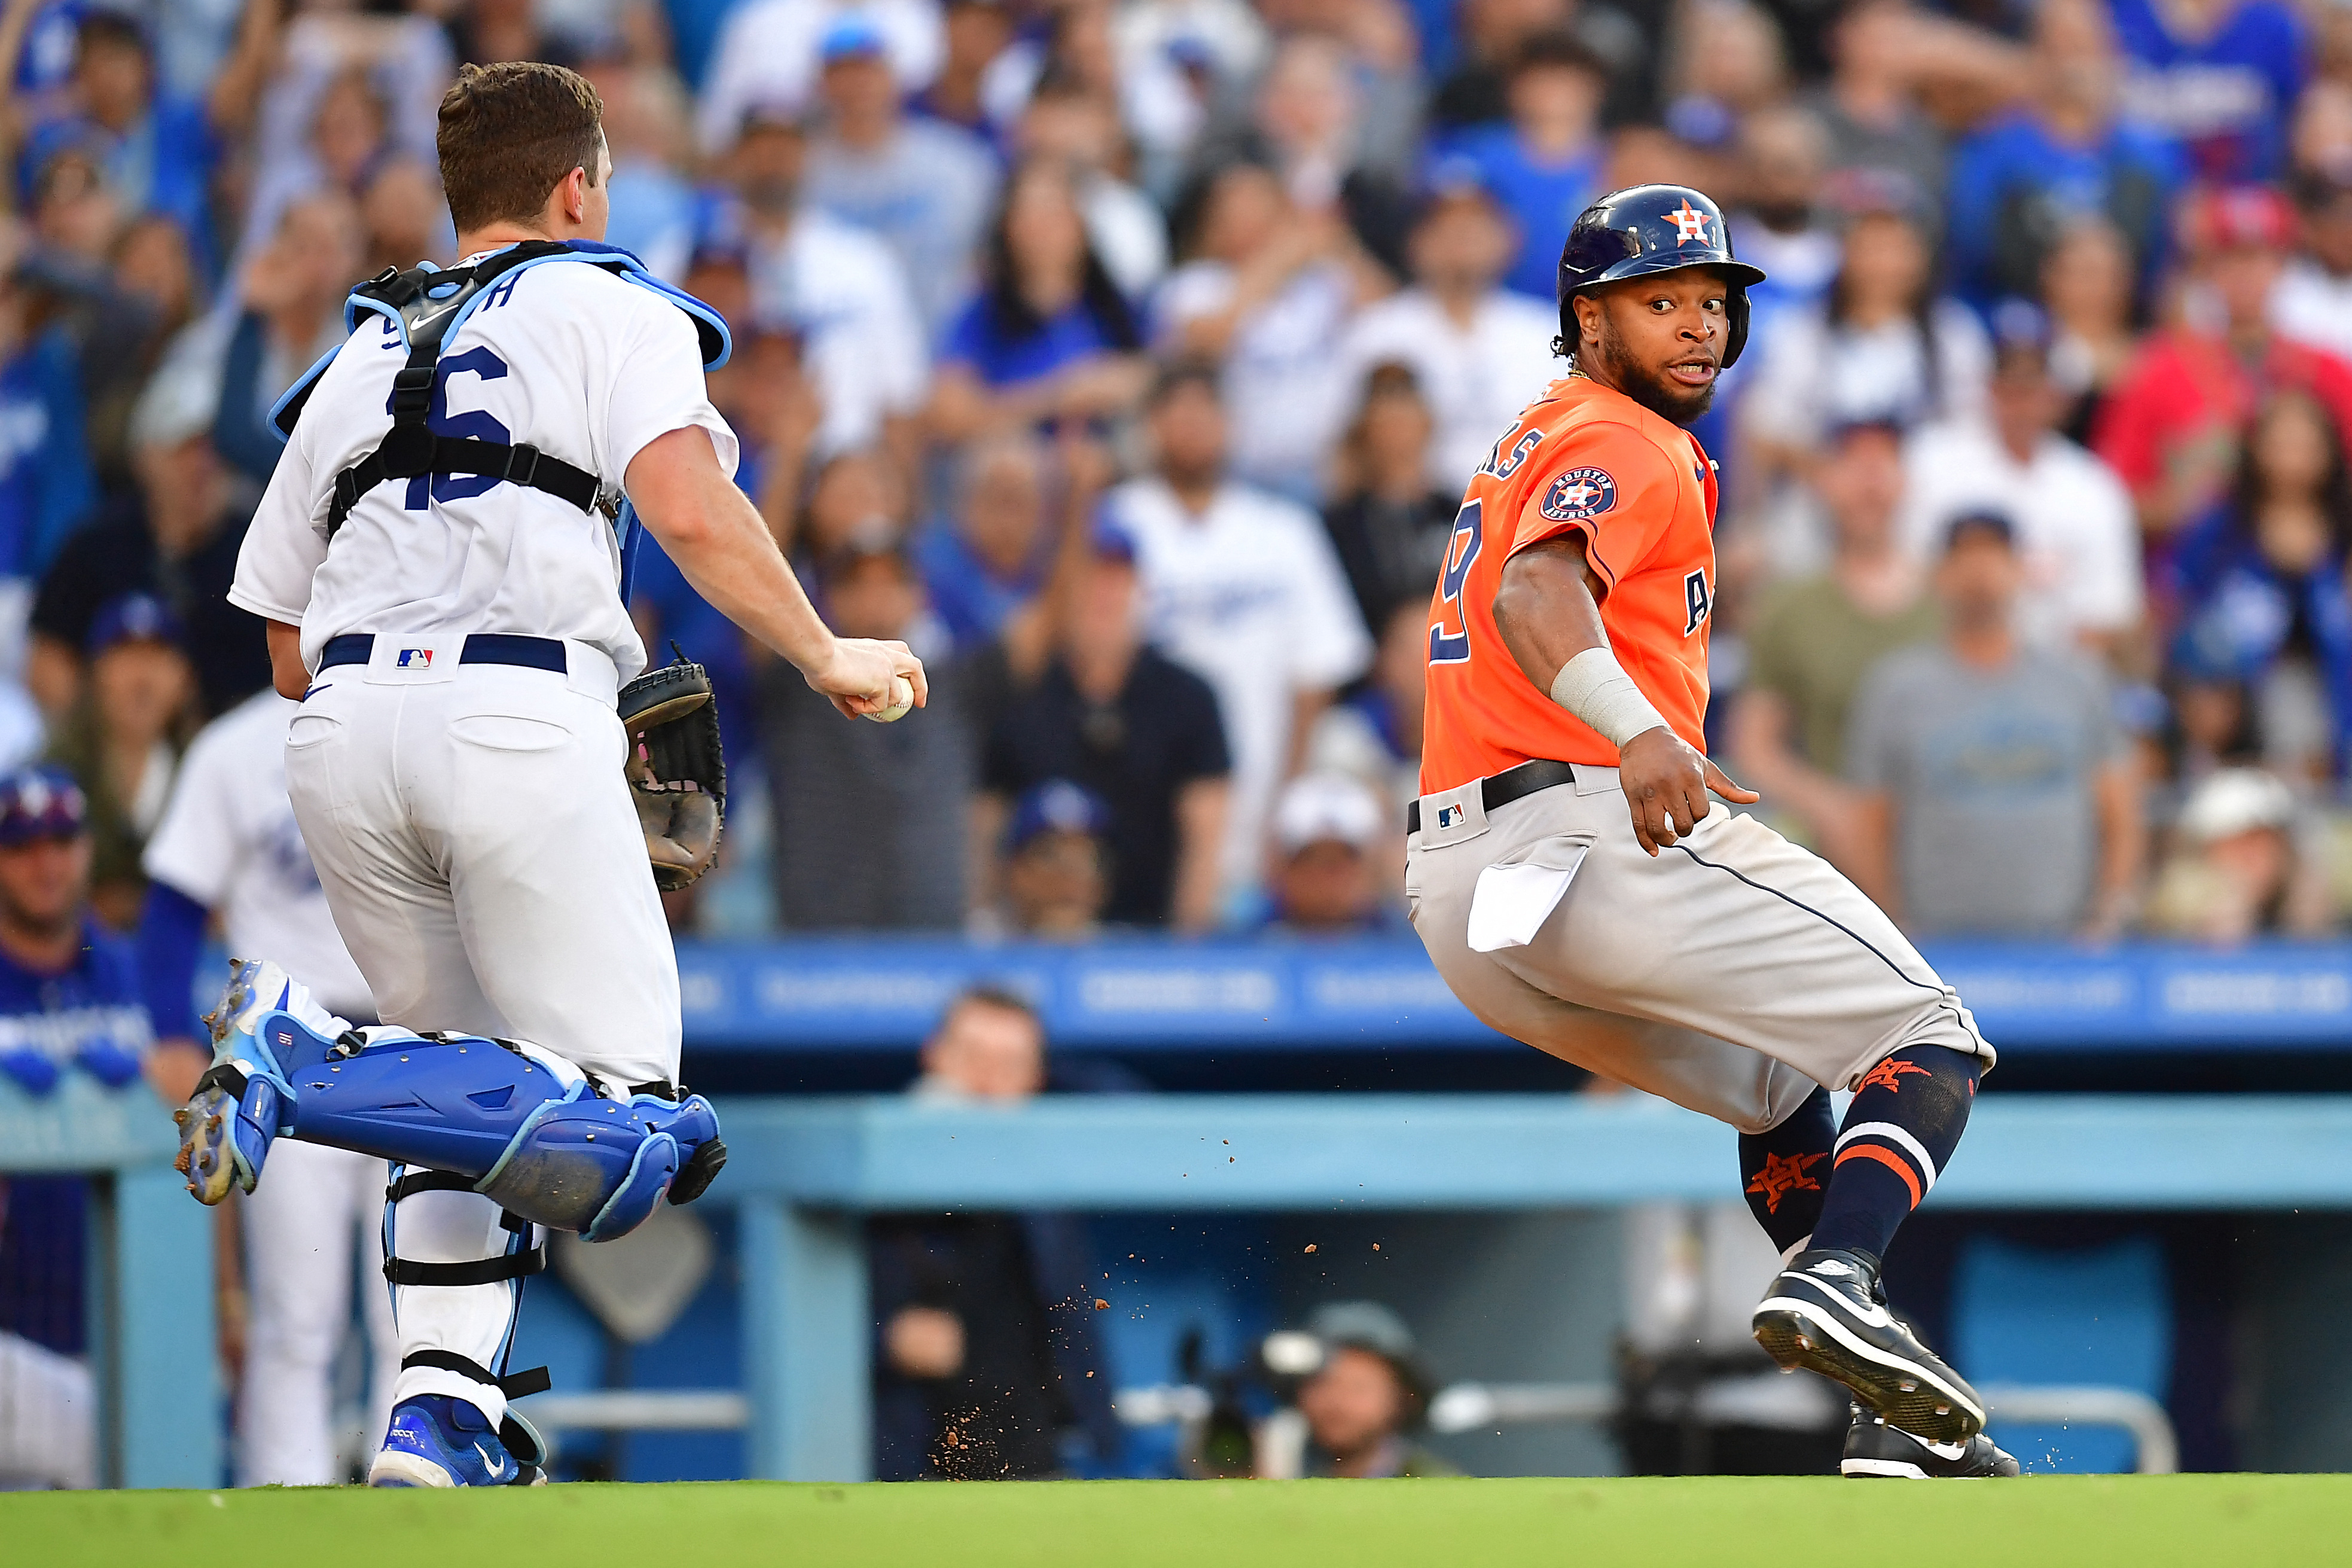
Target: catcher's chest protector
[{"x": 424, "y": 307}]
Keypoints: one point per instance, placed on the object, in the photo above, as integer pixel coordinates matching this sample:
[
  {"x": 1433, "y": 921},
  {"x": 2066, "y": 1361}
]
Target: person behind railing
[
  {"x": 69, "y": 1008},
  {"x": 1995, "y": 792},
  {"x": 986, "y": 1366},
  {"x": 1335, "y": 848},
  {"x": 2245, "y": 860},
  {"x": 905, "y": 784},
  {"x": 1134, "y": 728},
  {"x": 1814, "y": 638},
  {"x": 1366, "y": 1393},
  {"x": 1056, "y": 871}
]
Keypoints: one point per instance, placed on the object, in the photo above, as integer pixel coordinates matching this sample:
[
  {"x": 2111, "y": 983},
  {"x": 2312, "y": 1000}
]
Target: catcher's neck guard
[{"x": 423, "y": 306}]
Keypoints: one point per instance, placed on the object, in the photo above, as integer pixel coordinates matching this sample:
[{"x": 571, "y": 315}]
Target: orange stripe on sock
[{"x": 1888, "y": 1158}]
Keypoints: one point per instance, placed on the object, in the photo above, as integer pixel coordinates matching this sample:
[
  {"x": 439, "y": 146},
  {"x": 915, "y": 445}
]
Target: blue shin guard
[{"x": 531, "y": 1131}]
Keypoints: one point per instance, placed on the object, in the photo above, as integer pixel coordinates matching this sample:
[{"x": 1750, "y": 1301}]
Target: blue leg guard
[{"x": 535, "y": 1134}]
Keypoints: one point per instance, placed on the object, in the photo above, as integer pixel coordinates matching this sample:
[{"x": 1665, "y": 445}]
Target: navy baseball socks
[
  {"x": 1826, "y": 1309},
  {"x": 1785, "y": 1171}
]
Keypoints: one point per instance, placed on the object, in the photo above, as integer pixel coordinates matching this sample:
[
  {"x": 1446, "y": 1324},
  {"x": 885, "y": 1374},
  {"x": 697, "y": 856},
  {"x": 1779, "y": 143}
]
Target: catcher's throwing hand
[
  {"x": 1665, "y": 783},
  {"x": 856, "y": 677}
]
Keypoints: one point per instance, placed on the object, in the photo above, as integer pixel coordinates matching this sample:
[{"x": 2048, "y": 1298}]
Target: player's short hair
[{"x": 510, "y": 134}]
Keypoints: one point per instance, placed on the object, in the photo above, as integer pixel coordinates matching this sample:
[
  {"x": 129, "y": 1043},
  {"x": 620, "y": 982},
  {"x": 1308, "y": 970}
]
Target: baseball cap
[
  {"x": 1318, "y": 806},
  {"x": 2232, "y": 801},
  {"x": 132, "y": 618},
  {"x": 41, "y": 802},
  {"x": 1057, "y": 805},
  {"x": 1350, "y": 1325},
  {"x": 852, "y": 36},
  {"x": 2243, "y": 216},
  {"x": 1978, "y": 519}
]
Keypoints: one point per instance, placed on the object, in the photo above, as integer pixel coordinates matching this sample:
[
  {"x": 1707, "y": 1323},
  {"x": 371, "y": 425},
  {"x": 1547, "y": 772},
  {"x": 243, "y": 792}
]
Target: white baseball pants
[
  {"x": 477, "y": 844},
  {"x": 1730, "y": 974}
]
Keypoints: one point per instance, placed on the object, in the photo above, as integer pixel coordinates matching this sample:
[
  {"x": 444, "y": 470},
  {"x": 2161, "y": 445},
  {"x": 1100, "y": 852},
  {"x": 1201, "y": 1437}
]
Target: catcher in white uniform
[
  {"x": 441, "y": 555},
  {"x": 228, "y": 843}
]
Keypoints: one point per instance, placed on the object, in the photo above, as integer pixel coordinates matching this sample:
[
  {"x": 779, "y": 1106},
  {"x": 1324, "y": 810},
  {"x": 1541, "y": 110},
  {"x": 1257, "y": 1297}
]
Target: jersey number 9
[{"x": 1449, "y": 639}]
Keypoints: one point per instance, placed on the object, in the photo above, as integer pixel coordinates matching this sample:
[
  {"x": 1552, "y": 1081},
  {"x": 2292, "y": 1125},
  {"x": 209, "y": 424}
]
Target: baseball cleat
[
  {"x": 438, "y": 1441},
  {"x": 227, "y": 1125},
  {"x": 1826, "y": 1311},
  {"x": 207, "y": 1154},
  {"x": 1875, "y": 1448}
]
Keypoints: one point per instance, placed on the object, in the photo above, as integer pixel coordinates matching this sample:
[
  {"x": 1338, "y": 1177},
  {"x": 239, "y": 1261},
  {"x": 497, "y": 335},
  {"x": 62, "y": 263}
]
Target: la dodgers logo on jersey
[
  {"x": 1579, "y": 493},
  {"x": 417, "y": 659}
]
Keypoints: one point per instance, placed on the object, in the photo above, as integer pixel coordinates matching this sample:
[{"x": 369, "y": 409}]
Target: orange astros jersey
[{"x": 1642, "y": 492}]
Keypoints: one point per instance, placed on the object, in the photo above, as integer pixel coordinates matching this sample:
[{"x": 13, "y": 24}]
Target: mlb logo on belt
[
  {"x": 1448, "y": 816},
  {"x": 416, "y": 658}
]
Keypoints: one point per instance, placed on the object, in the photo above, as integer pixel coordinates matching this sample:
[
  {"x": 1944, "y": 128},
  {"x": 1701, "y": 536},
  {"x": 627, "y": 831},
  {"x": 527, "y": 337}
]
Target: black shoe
[
  {"x": 1826, "y": 1312},
  {"x": 1876, "y": 1449}
]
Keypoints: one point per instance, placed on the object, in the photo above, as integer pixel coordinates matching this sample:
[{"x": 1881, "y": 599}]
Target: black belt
[
  {"x": 1499, "y": 790},
  {"x": 480, "y": 647}
]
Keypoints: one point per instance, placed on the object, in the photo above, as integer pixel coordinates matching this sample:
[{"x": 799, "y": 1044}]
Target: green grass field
[{"x": 2226, "y": 1521}]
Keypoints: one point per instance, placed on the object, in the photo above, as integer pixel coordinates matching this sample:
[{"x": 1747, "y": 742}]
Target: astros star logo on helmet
[{"x": 1689, "y": 223}]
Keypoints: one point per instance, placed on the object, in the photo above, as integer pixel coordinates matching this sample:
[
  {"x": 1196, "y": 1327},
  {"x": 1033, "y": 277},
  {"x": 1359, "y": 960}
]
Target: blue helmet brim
[{"x": 1739, "y": 273}]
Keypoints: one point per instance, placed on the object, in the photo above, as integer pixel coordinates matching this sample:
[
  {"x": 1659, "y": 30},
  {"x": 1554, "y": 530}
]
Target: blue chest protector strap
[{"x": 425, "y": 305}]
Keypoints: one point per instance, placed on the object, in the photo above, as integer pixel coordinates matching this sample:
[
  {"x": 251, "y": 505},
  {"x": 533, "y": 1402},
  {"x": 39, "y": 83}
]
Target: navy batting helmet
[{"x": 1643, "y": 229}]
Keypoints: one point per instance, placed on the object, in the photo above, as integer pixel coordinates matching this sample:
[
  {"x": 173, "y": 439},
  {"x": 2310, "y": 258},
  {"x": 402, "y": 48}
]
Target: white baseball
[{"x": 901, "y": 703}]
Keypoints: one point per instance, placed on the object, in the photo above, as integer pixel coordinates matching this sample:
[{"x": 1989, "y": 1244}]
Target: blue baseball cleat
[
  {"x": 438, "y": 1441},
  {"x": 227, "y": 1125}
]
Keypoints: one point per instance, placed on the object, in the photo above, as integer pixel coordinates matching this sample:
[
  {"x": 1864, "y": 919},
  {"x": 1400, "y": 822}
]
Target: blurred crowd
[{"x": 1128, "y": 358}]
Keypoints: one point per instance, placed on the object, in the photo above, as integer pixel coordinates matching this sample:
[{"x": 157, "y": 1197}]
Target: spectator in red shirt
[{"x": 2173, "y": 426}]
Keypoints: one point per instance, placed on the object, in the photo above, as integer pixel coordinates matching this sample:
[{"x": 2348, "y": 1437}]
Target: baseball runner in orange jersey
[{"x": 1578, "y": 887}]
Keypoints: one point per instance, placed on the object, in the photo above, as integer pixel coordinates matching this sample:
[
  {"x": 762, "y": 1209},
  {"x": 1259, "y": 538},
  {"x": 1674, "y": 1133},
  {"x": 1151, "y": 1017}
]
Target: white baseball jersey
[
  {"x": 591, "y": 371},
  {"x": 228, "y": 840}
]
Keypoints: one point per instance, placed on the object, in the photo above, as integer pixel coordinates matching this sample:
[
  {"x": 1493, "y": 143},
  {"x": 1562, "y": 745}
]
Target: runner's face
[{"x": 1658, "y": 339}]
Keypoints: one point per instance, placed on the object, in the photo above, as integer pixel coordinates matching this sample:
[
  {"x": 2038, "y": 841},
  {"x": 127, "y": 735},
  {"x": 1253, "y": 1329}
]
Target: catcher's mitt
[{"x": 678, "y": 773}]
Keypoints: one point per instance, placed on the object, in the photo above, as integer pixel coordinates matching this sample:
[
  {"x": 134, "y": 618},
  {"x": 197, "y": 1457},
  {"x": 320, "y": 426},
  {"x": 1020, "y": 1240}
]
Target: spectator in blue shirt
[
  {"x": 157, "y": 152},
  {"x": 2019, "y": 183},
  {"x": 992, "y": 558},
  {"x": 69, "y": 990},
  {"x": 921, "y": 184},
  {"x": 2222, "y": 76},
  {"x": 2260, "y": 581},
  {"x": 68, "y": 1005},
  {"x": 47, "y": 487},
  {"x": 1049, "y": 337},
  {"x": 1544, "y": 166}
]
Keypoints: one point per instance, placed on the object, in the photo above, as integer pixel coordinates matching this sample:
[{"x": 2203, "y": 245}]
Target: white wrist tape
[{"x": 1592, "y": 687}]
